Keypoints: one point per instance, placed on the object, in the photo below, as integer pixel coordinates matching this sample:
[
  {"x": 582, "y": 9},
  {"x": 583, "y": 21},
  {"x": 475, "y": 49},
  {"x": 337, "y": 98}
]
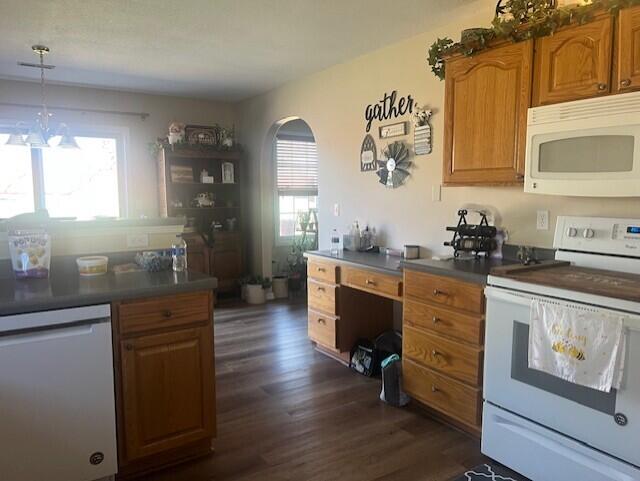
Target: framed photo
[
  {"x": 227, "y": 173},
  {"x": 181, "y": 174},
  {"x": 393, "y": 130},
  {"x": 203, "y": 135}
]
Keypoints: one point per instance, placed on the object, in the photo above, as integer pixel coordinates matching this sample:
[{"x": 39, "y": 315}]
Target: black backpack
[{"x": 364, "y": 358}]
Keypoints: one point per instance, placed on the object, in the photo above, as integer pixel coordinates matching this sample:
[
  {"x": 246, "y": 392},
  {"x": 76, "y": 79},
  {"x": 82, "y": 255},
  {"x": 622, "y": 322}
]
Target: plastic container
[
  {"x": 30, "y": 253},
  {"x": 92, "y": 265}
]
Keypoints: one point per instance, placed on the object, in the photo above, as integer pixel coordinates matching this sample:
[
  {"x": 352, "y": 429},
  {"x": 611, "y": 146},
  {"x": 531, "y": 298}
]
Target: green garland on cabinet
[{"x": 527, "y": 19}]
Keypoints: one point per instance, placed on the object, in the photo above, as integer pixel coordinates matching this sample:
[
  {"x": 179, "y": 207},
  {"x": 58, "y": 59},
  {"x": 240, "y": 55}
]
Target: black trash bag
[{"x": 364, "y": 358}]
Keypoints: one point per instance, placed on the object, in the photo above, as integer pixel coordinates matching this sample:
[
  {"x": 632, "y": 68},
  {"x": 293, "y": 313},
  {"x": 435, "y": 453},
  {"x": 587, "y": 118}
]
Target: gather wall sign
[{"x": 388, "y": 107}]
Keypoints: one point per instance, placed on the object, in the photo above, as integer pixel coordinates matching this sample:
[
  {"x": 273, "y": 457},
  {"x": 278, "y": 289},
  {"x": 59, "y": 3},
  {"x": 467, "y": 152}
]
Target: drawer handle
[
  {"x": 435, "y": 353},
  {"x": 626, "y": 83},
  {"x": 321, "y": 321},
  {"x": 167, "y": 314},
  {"x": 602, "y": 87},
  {"x": 434, "y": 388},
  {"x": 438, "y": 292},
  {"x": 436, "y": 320},
  {"x": 369, "y": 282}
]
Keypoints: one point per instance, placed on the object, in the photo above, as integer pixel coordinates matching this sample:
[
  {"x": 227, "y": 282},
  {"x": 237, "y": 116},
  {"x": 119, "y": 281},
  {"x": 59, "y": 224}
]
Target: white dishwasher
[{"x": 57, "y": 408}]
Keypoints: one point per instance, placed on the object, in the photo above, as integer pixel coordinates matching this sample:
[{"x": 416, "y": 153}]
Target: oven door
[{"x": 609, "y": 422}]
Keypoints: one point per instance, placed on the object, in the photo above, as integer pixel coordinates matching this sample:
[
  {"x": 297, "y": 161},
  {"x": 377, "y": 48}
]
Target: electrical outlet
[
  {"x": 436, "y": 193},
  {"x": 336, "y": 209},
  {"x": 542, "y": 222},
  {"x": 137, "y": 240}
]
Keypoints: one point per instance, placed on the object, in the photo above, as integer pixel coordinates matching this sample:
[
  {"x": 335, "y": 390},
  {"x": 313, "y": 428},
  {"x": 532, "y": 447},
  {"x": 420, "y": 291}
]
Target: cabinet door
[
  {"x": 628, "y": 59},
  {"x": 487, "y": 97},
  {"x": 197, "y": 253},
  {"x": 167, "y": 390},
  {"x": 574, "y": 63},
  {"x": 226, "y": 266}
]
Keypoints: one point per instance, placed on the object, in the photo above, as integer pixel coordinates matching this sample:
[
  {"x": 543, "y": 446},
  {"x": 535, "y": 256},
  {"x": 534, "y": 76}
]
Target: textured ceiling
[{"x": 217, "y": 49}]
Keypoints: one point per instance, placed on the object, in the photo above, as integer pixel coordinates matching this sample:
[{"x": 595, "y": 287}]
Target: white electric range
[{"x": 544, "y": 427}]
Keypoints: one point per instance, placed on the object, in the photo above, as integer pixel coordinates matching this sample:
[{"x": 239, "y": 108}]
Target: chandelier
[{"x": 40, "y": 132}]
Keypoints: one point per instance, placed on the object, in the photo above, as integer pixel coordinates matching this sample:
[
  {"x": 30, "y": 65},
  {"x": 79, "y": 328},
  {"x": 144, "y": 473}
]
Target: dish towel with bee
[{"x": 578, "y": 344}]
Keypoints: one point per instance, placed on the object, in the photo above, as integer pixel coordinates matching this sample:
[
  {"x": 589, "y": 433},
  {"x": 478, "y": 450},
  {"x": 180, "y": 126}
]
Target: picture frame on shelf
[
  {"x": 228, "y": 174},
  {"x": 202, "y": 134},
  {"x": 181, "y": 174}
]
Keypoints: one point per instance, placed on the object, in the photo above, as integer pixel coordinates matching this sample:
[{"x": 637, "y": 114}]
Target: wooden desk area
[
  {"x": 349, "y": 300},
  {"x": 352, "y": 296}
]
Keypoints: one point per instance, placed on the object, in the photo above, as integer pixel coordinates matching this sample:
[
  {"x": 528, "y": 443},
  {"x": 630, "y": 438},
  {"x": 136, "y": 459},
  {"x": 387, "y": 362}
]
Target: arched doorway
[{"x": 290, "y": 218}]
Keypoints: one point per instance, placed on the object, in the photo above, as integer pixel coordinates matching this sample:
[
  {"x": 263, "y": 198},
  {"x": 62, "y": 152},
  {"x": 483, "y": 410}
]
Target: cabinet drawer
[
  {"x": 451, "y": 358},
  {"x": 161, "y": 312},
  {"x": 442, "y": 393},
  {"x": 445, "y": 321},
  {"x": 322, "y": 297},
  {"x": 374, "y": 282},
  {"x": 323, "y": 271},
  {"x": 322, "y": 329},
  {"x": 444, "y": 290}
]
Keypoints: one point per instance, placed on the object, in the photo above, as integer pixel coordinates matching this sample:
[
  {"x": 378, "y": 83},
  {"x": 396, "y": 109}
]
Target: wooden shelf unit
[{"x": 220, "y": 254}]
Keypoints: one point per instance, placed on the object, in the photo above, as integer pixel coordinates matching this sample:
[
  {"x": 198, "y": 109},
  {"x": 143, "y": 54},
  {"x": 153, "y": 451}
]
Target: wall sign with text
[{"x": 388, "y": 107}]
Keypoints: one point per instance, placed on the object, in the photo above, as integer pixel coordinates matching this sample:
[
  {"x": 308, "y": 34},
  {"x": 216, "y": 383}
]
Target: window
[
  {"x": 296, "y": 183},
  {"x": 79, "y": 183}
]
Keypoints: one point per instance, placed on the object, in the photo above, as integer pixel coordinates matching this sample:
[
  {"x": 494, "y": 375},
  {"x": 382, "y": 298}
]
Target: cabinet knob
[
  {"x": 321, "y": 269},
  {"x": 321, "y": 289},
  {"x": 435, "y": 353},
  {"x": 128, "y": 346},
  {"x": 369, "y": 282},
  {"x": 434, "y": 388},
  {"x": 167, "y": 313},
  {"x": 321, "y": 321},
  {"x": 436, "y": 320},
  {"x": 625, "y": 83},
  {"x": 602, "y": 87},
  {"x": 438, "y": 292}
]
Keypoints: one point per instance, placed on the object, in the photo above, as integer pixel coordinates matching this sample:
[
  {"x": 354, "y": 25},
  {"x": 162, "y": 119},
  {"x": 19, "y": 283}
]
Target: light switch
[
  {"x": 336, "y": 209},
  {"x": 137, "y": 240},
  {"x": 436, "y": 193}
]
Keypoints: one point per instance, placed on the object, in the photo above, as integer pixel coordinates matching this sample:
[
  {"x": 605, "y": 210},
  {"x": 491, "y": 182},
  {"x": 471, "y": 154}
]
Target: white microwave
[{"x": 587, "y": 148}]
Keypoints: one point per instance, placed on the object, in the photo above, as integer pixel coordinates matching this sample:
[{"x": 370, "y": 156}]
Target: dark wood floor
[{"x": 286, "y": 412}]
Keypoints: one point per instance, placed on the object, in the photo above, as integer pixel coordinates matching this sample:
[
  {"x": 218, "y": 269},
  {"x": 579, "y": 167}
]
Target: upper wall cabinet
[
  {"x": 487, "y": 97},
  {"x": 627, "y": 73},
  {"x": 574, "y": 63}
]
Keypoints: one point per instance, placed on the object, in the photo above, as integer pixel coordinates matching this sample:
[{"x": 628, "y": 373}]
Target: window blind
[{"x": 297, "y": 166}]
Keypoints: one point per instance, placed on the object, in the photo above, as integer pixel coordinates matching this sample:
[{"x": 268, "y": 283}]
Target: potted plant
[
  {"x": 305, "y": 241},
  {"x": 255, "y": 289}
]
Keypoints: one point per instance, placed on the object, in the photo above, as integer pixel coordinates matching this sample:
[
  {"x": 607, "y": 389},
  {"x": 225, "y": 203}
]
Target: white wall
[
  {"x": 332, "y": 102},
  {"x": 140, "y": 165}
]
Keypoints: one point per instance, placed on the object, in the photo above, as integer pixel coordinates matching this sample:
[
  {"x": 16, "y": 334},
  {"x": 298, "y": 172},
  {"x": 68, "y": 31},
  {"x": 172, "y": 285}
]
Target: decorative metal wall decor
[
  {"x": 422, "y": 131},
  {"x": 388, "y": 107},
  {"x": 393, "y": 130},
  {"x": 393, "y": 171},
  {"x": 368, "y": 154}
]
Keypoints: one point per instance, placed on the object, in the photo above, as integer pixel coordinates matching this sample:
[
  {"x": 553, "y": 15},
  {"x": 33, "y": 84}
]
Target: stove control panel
[{"x": 601, "y": 235}]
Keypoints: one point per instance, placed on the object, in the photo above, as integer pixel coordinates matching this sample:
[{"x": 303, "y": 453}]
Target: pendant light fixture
[{"x": 40, "y": 132}]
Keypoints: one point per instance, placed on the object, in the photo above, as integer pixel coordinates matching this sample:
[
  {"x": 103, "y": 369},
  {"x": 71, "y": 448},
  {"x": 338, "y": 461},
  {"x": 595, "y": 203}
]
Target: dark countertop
[
  {"x": 379, "y": 262},
  {"x": 470, "y": 270},
  {"x": 67, "y": 289}
]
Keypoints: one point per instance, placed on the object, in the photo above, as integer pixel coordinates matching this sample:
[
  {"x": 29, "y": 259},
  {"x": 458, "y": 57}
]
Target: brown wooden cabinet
[
  {"x": 226, "y": 260},
  {"x": 487, "y": 97},
  {"x": 443, "y": 346},
  {"x": 627, "y": 73},
  {"x": 574, "y": 63},
  {"x": 165, "y": 380}
]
